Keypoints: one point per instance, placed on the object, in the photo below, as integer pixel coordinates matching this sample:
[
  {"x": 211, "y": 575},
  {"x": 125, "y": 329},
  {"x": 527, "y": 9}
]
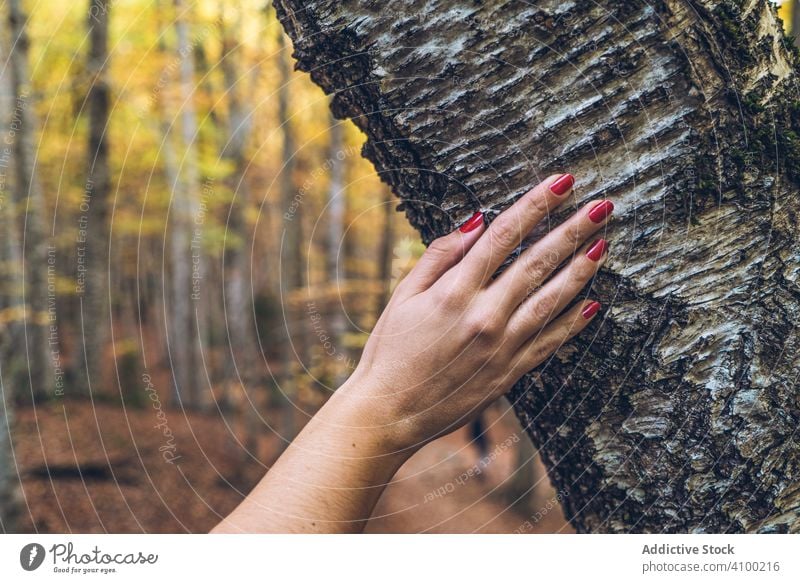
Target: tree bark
[{"x": 677, "y": 410}]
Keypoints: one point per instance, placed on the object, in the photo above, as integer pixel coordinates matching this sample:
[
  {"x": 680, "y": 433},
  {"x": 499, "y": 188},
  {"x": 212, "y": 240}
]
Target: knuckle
[
  {"x": 538, "y": 202},
  {"x": 504, "y": 233},
  {"x": 542, "y": 349},
  {"x": 543, "y": 308},
  {"x": 536, "y": 269},
  {"x": 447, "y": 297},
  {"x": 573, "y": 236},
  {"x": 440, "y": 246},
  {"x": 580, "y": 273},
  {"x": 483, "y": 325}
]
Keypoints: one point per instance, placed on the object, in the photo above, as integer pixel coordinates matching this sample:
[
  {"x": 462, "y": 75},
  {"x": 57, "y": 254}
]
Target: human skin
[{"x": 452, "y": 340}]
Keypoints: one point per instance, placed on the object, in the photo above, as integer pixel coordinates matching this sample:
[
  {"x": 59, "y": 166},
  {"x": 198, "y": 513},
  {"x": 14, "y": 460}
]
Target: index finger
[{"x": 508, "y": 230}]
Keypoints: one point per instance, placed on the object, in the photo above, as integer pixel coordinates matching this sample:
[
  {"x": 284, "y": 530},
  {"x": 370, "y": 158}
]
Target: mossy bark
[{"x": 677, "y": 410}]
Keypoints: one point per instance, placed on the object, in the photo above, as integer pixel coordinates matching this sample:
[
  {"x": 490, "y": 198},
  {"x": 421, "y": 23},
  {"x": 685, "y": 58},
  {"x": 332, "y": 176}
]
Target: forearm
[{"x": 328, "y": 480}]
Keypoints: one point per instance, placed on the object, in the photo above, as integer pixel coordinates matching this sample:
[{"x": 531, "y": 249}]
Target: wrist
[{"x": 369, "y": 420}]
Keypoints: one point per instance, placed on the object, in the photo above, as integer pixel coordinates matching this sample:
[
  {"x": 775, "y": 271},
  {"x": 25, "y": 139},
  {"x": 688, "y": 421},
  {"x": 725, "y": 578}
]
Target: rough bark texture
[{"x": 677, "y": 410}]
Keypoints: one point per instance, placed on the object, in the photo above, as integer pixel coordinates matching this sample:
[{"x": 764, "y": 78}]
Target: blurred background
[{"x": 193, "y": 254}]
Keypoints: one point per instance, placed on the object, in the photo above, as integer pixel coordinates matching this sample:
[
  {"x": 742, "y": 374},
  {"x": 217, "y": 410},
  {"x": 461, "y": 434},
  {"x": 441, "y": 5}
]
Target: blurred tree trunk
[
  {"x": 94, "y": 317},
  {"x": 795, "y": 20},
  {"x": 677, "y": 409},
  {"x": 244, "y": 358},
  {"x": 292, "y": 271},
  {"x": 336, "y": 258},
  {"x": 386, "y": 250},
  {"x": 186, "y": 240},
  {"x": 10, "y": 332},
  {"x": 29, "y": 202},
  {"x": 13, "y": 329},
  {"x": 9, "y": 479}
]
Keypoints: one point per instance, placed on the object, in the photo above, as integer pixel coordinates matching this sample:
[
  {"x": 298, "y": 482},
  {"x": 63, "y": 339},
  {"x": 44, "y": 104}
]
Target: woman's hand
[{"x": 453, "y": 338}]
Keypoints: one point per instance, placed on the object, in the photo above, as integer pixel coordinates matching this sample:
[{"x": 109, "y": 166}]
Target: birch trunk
[{"x": 677, "y": 410}]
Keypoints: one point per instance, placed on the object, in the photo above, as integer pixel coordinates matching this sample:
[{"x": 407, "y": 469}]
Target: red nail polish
[
  {"x": 473, "y": 223},
  {"x": 597, "y": 250},
  {"x": 600, "y": 211},
  {"x": 590, "y": 310},
  {"x": 562, "y": 184}
]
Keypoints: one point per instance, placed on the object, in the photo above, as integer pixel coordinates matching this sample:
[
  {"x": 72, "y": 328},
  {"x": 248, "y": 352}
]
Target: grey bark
[
  {"x": 94, "y": 317},
  {"x": 676, "y": 410},
  {"x": 29, "y": 202}
]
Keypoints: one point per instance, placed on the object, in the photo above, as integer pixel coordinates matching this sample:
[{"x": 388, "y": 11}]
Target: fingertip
[
  {"x": 471, "y": 224},
  {"x": 562, "y": 184},
  {"x": 590, "y": 309}
]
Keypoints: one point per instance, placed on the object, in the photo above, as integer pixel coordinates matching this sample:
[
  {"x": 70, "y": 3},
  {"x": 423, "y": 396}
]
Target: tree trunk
[
  {"x": 186, "y": 240},
  {"x": 94, "y": 216},
  {"x": 9, "y": 300},
  {"x": 386, "y": 251},
  {"x": 336, "y": 258},
  {"x": 29, "y": 201},
  {"x": 292, "y": 270},
  {"x": 244, "y": 358},
  {"x": 677, "y": 410}
]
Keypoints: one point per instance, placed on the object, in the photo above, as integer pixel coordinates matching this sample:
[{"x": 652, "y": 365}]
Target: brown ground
[{"x": 94, "y": 467}]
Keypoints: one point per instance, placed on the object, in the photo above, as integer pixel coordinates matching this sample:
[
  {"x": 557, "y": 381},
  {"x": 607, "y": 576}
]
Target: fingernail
[
  {"x": 590, "y": 310},
  {"x": 473, "y": 223},
  {"x": 562, "y": 184},
  {"x": 597, "y": 250},
  {"x": 600, "y": 211}
]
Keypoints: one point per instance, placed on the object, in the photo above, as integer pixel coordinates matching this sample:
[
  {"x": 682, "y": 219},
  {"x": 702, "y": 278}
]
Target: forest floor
[{"x": 98, "y": 467}]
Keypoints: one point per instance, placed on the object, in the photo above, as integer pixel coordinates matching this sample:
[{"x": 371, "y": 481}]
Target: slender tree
[
  {"x": 336, "y": 259},
  {"x": 244, "y": 358},
  {"x": 386, "y": 249},
  {"x": 678, "y": 410},
  {"x": 29, "y": 201},
  {"x": 185, "y": 237},
  {"x": 94, "y": 220},
  {"x": 10, "y": 332},
  {"x": 292, "y": 272}
]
